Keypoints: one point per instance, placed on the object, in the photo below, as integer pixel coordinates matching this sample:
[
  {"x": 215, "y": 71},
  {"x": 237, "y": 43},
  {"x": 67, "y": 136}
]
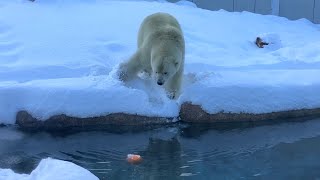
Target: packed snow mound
[
  {"x": 60, "y": 57},
  {"x": 50, "y": 169}
]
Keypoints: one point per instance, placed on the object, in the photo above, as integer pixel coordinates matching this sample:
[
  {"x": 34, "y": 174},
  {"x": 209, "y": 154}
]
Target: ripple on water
[
  {"x": 187, "y": 174},
  {"x": 251, "y": 152}
]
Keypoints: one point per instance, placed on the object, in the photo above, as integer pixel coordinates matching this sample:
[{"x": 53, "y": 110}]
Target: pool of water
[{"x": 274, "y": 151}]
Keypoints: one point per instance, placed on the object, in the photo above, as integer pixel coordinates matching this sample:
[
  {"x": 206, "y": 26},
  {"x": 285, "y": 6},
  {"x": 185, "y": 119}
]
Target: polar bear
[{"x": 160, "y": 53}]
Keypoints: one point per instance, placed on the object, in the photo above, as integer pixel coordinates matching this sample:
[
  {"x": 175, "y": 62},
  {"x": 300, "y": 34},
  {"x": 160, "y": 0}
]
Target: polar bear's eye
[{"x": 165, "y": 73}]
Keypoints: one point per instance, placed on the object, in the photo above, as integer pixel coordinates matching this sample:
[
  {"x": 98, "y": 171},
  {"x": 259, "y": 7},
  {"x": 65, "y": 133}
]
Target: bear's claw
[
  {"x": 171, "y": 95},
  {"x": 122, "y": 76}
]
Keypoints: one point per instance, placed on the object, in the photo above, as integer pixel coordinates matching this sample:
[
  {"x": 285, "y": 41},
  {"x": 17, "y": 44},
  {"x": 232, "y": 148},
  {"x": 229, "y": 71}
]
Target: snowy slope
[
  {"x": 60, "y": 57},
  {"x": 50, "y": 169}
]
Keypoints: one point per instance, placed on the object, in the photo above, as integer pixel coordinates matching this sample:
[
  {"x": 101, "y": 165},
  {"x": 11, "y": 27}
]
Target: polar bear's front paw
[
  {"x": 172, "y": 95},
  {"x": 123, "y": 76},
  {"x": 122, "y": 73}
]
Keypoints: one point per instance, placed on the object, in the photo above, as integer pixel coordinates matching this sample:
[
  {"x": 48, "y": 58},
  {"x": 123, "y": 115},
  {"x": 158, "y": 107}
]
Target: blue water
[{"x": 274, "y": 151}]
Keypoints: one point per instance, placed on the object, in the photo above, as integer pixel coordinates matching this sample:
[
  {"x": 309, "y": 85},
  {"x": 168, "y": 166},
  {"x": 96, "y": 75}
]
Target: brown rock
[
  {"x": 195, "y": 114},
  {"x": 188, "y": 113},
  {"x": 63, "y": 122}
]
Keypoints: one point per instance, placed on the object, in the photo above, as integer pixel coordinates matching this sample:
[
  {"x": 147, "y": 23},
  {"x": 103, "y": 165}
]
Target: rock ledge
[{"x": 188, "y": 113}]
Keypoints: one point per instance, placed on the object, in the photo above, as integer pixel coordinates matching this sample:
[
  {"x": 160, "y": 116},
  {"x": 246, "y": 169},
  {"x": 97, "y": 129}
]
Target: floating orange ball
[{"x": 134, "y": 158}]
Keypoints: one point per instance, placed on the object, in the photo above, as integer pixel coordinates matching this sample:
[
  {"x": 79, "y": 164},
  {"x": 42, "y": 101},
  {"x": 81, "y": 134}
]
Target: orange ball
[{"x": 134, "y": 158}]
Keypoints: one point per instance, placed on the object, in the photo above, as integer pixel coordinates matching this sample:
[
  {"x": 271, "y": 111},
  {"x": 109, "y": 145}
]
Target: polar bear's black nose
[{"x": 159, "y": 83}]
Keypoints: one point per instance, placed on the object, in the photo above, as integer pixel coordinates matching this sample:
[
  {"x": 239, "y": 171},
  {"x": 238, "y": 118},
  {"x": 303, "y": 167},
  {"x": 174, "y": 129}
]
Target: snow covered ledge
[
  {"x": 188, "y": 113},
  {"x": 63, "y": 122},
  {"x": 105, "y": 102},
  {"x": 195, "y": 114}
]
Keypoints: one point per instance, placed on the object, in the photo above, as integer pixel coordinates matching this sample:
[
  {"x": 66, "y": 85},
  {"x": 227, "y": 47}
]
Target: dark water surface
[{"x": 277, "y": 151}]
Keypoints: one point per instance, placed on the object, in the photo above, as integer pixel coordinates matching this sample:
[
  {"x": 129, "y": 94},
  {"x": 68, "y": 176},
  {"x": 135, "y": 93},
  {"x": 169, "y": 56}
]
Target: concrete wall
[
  {"x": 215, "y": 4},
  {"x": 296, "y": 9},
  {"x": 292, "y": 9},
  {"x": 244, "y": 5},
  {"x": 263, "y": 7},
  {"x": 317, "y": 12}
]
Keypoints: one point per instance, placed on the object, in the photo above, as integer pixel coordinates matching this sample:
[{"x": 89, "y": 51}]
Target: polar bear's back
[{"x": 156, "y": 23}]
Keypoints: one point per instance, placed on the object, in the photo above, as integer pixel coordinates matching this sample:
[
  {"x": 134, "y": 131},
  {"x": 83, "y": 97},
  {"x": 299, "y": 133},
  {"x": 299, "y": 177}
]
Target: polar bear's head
[{"x": 164, "y": 68}]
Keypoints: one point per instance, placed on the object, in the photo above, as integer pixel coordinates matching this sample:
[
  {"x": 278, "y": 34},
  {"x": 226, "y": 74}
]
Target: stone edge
[{"x": 189, "y": 113}]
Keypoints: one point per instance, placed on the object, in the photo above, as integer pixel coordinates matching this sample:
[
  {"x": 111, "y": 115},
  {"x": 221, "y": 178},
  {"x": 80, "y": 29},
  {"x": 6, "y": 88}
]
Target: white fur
[{"x": 161, "y": 51}]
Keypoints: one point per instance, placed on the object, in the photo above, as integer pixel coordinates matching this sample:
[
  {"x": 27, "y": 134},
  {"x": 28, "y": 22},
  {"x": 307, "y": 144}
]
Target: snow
[
  {"x": 51, "y": 169},
  {"x": 61, "y": 57}
]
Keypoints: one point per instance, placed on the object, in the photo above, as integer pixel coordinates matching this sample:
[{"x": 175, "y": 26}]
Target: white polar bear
[{"x": 161, "y": 52}]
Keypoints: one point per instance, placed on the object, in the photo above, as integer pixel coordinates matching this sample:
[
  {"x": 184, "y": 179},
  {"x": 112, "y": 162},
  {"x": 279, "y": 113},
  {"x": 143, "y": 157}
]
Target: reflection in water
[
  {"x": 281, "y": 151},
  {"x": 162, "y": 159},
  {"x": 18, "y": 161}
]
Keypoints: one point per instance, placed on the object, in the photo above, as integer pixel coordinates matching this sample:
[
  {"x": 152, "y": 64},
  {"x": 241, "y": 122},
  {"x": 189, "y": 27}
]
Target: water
[{"x": 274, "y": 151}]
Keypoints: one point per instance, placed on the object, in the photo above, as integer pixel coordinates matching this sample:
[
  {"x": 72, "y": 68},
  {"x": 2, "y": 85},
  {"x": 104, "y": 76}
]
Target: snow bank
[
  {"x": 50, "y": 169},
  {"x": 60, "y": 57}
]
